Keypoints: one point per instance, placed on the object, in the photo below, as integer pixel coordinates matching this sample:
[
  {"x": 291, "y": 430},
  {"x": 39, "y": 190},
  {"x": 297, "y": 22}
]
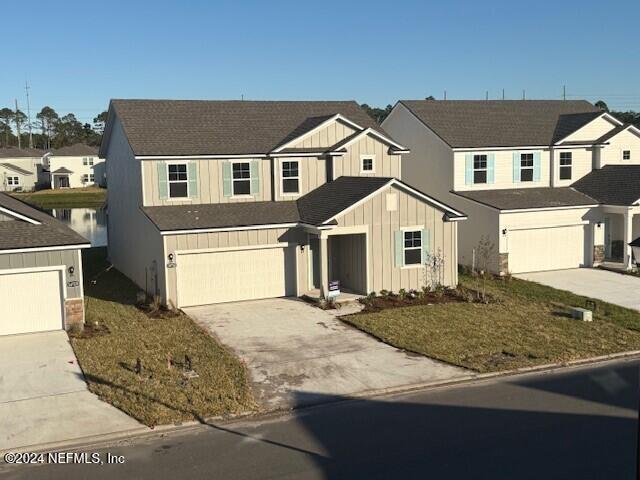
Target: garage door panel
[
  {"x": 540, "y": 249},
  {"x": 229, "y": 276},
  {"x": 31, "y": 302}
]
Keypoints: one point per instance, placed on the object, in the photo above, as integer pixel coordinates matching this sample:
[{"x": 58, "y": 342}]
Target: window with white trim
[
  {"x": 412, "y": 247},
  {"x": 90, "y": 160},
  {"x": 526, "y": 167},
  {"x": 479, "y": 169},
  {"x": 13, "y": 181},
  {"x": 566, "y": 165},
  {"x": 85, "y": 178},
  {"x": 626, "y": 155},
  {"x": 290, "y": 170},
  {"x": 241, "y": 178},
  {"x": 367, "y": 164},
  {"x": 178, "y": 180},
  {"x": 85, "y": 161},
  {"x": 92, "y": 178}
]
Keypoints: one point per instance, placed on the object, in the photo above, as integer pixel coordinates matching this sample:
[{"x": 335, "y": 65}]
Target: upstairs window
[
  {"x": 526, "y": 167},
  {"x": 90, "y": 160},
  {"x": 413, "y": 247},
  {"x": 290, "y": 177},
  {"x": 566, "y": 165},
  {"x": 85, "y": 161},
  {"x": 479, "y": 169},
  {"x": 241, "y": 178},
  {"x": 178, "y": 180},
  {"x": 367, "y": 164},
  {"x": 626, "y": 155}
]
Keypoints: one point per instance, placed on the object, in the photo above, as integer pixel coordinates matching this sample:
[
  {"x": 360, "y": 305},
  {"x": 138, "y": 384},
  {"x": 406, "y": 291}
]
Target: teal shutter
[
  {"x": 516, "y": 167},
  {"x": 426, "y": 244},
  {"x": 226, "y": 179},
  {"x": 193, "y": 179},
  {"x": 162, "y": 180},
  {"x": 536, "y": 166},
  {"x": 399, "y": 250},
  {"x": 468, "y": 169},
  {"x": 255, "y": 177},
  {"x": 491, "y": 168}
]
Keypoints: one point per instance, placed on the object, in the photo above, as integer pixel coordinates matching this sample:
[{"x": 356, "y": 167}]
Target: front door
[
  {"x": 63, "y": 182},
  {"x": 607, "y": 237},
  {"x": 314, "y": 263}
]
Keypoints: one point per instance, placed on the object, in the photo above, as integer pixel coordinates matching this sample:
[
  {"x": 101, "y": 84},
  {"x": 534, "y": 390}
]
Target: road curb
[{"x": 470, "y": 379}]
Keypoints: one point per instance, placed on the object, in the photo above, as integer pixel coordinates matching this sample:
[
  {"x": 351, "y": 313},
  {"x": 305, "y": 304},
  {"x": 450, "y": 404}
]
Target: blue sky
[{"x": 78, "y": 55}]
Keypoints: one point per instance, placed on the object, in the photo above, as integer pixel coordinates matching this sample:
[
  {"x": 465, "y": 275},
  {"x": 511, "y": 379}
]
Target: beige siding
[
  {"x": 582, "y": 164},
  {"x": 383, "y": 223},
  {"x": 312, "y": 171},
  {"x": 429, "y": 164},
  {"x": 348, "y": 261},
  {"x": 209, "y": 183},
  {"x": 53, "y": 258},
  {"x": 135, "y": 245},
  {"x": 385, "y": 165},
  {"x": 325, "y": 137},
  {"x": 612, "y": 153},
  {"x": 215, "y": 240},
  {"x": 591, "y": 131}
]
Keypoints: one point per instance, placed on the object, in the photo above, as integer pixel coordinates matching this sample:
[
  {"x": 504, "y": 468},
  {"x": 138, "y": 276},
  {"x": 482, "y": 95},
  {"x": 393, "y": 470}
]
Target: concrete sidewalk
[
  {"x": 612, "y": 287},
  {"x": 43, "y": 395}
]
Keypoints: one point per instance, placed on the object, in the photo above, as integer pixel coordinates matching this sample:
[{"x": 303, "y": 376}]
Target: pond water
[{"x": 91, "y": 223}]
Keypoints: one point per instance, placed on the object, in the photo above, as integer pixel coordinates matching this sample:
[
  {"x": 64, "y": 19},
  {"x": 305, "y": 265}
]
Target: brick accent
[
  {"x": 503, "y": 264},
  {"x": 73, "y": 313},
  {"x": 598, "y": 253}
]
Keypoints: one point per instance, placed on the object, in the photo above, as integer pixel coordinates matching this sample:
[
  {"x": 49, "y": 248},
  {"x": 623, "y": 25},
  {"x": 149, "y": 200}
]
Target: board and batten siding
[
  {"x": 410, "y": 212},
  {"x": 230, "y": 239},
  {"x": 327, "y": 136},
  {"x": 591, "y": 131},
  {"x": 52, "y": 258},
  {"x": 582, "y": 164},
  {"x": 312, "y": 172},
  {"x": 612, "y": 154},
  {"x": 385, "y": 165},
  {"x": 209, "y": 182}
]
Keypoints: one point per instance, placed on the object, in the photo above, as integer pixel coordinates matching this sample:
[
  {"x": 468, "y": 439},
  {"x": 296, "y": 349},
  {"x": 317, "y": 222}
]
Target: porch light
[
  {"x": 635, "y": 247},
  {"x": 170, "y": 257},
  {"x": 71, "y": 270},
  {"x": 504, "y": 231}
]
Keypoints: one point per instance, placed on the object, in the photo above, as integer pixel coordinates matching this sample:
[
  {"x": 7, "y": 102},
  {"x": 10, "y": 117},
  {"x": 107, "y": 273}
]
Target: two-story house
[
  {"x": 549, "y": 184},
  {"x": 75, "y": 166},
  {"x": 217, "y": 201},
  {"x": 20, "y": 168}
]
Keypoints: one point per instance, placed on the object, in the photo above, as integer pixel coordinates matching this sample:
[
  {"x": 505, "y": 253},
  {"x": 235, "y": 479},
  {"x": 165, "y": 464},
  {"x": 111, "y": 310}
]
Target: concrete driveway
[
  {"x": 299, "y": 354},
  {"x": 43, "y": 395},
  {"x": 612, "y": 287}
]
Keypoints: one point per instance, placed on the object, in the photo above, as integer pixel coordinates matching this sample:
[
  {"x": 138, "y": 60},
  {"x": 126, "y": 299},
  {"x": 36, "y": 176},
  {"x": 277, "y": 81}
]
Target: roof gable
[
  {"x": 584, "y": 127},
  {"x": 500, "y": 123}
]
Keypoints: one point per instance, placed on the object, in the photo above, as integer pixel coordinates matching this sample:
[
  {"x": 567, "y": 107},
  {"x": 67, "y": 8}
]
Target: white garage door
[
  {"x": 546, "y": 249},
  {"x": 30, "y": 302},
  {"x": 217, "y": 277}
]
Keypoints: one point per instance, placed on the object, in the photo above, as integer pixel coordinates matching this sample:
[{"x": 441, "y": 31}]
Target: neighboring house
[
  {"x": 217, "y": 201},
  {"x": 551, "y": 184},
  {"x": 19, "y": 168},
  {"x": 75, "y": 166},
  {"x": 40, "y": 271}
]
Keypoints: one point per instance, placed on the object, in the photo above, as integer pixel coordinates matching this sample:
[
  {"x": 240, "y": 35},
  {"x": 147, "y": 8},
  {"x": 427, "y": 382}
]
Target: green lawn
[
  {"x": 65, "y": 198},
  {"x": 123, "y": 333},
  {"x": 526, "y": 325}
]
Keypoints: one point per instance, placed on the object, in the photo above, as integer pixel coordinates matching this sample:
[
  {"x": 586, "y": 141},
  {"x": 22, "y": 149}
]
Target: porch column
[
  {"x": 628, "y": 232},
  {"x": 323, "y": 264}
]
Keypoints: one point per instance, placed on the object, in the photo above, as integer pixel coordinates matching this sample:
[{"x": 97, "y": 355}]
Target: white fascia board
[
  {"x": 488, "y": 149},
  {"x": 46, "y": 249},
  {"x": 198, "y": 157},
  {"x": 318, "y": 128},
  {"x": 229, "y": 229},
  {"x": 602, "y": 115},
  {"x": 378, "y": 135},
  {"x": 19, "y": 216},
  {"x": 545, "y": 209}
]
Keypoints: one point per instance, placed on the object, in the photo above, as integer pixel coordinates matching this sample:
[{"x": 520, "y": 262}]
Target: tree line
[{"x": 49, "y": 129}]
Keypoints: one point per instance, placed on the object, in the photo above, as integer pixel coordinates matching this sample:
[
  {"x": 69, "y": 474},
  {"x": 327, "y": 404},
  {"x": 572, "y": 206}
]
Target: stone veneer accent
[
  {"x": 74, "y": 313},
  {"x": 598, "y": 253},
  {"x": 503, "y": 264}
]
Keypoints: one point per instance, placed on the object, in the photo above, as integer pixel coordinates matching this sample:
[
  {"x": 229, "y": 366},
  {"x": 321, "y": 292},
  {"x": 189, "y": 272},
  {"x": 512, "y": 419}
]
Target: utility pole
[
  {"x": 18, "y": 124},
  {"x": 445, "y": 94},
  {"x": 564, "y": 92},
  {"x": 523, "y": 95},
  {"x": 503, "y": 93},
  {"x": 486, "y": 95},
  {"x": 26, "y": 88}
]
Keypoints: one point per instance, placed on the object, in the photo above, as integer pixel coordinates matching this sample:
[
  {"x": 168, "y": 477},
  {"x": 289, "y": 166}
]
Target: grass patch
[
  {"x": 65, "y": 198},
  {"x": 526, "y": 324},
  {"x": 118, "y": 333}
]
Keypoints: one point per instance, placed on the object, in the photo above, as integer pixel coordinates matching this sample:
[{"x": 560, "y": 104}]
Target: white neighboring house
[
  {"x": 551, "y": 184},
  {"x": 75, "y": 166},
  {"x": 19, "y": 168}
]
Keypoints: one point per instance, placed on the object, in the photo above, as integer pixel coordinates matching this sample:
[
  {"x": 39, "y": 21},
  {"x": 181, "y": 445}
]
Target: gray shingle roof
[
  {"x": 521, "y": 198},
  {"x": 502, "y": 123},
  {"x": 13, "y": 152},
  {"x": 612, "y": 184},
  {"x": 314, "y": 208},
  {"x": 21, "y": 234},
  {"x": 202, "y": 127},
  {"x": 15, "y": 168},
  {"x": 75, "y": 150},
  {"x": 62, "y": 171}
]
